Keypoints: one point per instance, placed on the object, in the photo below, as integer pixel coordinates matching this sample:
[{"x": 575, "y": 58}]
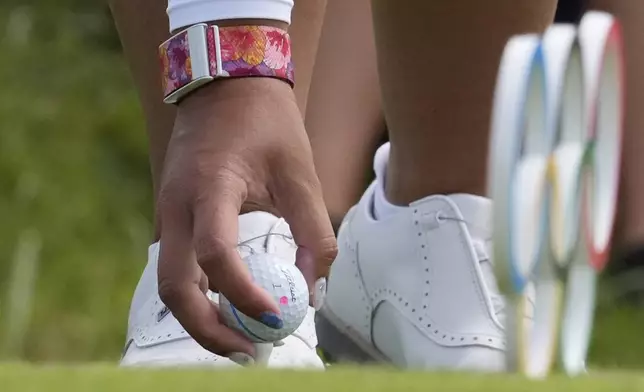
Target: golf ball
[{"x": 286, "y": 284}]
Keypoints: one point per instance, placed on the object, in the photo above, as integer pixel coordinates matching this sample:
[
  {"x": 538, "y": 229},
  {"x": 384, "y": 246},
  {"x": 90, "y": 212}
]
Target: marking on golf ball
[{"x": 286, "y": 285}]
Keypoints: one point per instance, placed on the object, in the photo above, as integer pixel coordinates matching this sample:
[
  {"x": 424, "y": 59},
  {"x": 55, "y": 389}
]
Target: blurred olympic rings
[{"x": 554, "y": 169}]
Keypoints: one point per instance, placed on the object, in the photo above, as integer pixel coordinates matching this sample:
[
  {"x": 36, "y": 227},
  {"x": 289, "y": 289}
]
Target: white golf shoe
[
  {"x": 416, "y": 287},
  {"x": 155, "y": 337}
]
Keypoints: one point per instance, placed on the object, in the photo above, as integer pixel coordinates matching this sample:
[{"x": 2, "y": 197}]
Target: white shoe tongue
[
  {"x": 255, "y": 224},
  {"x": 261, "y": 232}
]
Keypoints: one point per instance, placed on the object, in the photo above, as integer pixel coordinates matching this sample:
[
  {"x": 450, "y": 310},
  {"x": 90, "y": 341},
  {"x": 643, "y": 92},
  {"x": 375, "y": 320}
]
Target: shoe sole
[{"x": 340, "y": 344}]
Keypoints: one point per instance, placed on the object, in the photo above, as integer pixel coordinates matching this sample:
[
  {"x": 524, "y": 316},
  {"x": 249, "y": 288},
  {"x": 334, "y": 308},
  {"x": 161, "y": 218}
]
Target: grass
[
  {"x": 617, "y": 345},
  {"x": 105, "y": 378}
]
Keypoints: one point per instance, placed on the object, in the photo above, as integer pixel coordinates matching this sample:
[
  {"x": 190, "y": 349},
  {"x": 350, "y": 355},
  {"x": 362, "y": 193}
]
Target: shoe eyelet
[{"x": 439, "y": 217}]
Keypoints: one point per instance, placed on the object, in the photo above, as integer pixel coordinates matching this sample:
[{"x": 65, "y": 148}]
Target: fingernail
[
  {"x": 271, "y": 320},
  {"x": 319, "y": 293},
  {"x": 242, "y": 359}
]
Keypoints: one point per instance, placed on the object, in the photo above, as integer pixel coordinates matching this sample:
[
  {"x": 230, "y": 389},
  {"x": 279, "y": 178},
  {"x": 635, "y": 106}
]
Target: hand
[{"x": 237, "y": 145}]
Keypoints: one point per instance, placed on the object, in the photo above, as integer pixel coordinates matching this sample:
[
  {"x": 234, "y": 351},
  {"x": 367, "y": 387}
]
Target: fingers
[
  {"x": 179, "y": 288},
  {"x": 305, "y": 261},
  {"x": 215, "y": 237},
  {"x": 301, "y": 203},
  {"x": 203, "y": 283}
]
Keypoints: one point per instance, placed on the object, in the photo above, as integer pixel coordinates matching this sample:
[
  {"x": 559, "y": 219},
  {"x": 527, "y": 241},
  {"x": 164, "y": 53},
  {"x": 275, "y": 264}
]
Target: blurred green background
[
  {"x": 75, "y": 191},
  {"x": 75, "y": 197}
]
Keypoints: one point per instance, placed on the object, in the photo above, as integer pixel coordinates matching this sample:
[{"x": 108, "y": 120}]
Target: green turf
[{"x": 99, "y": 378}]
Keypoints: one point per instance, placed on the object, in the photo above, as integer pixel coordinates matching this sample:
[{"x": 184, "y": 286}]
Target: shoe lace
[
  {"x": 498, "y": 300},
  {"x": 483, "y": 249}
]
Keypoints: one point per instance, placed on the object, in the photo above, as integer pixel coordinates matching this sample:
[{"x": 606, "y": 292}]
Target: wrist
[
  {"x": 227, "y": 105},
  {"x": 203, "y": 53},
  {"x": 238, "y": 92}
]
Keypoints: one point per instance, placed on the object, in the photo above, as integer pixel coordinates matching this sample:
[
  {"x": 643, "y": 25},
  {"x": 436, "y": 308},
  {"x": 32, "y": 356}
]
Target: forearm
[
  {"x": 142, "y": 26},
  {"x": 305, "y": 17}
]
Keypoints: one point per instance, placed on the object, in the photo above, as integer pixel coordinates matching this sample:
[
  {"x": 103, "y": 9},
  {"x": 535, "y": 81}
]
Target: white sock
[
  {"x": 470, "y": 205},
  {"x": 382, "y": 207}
]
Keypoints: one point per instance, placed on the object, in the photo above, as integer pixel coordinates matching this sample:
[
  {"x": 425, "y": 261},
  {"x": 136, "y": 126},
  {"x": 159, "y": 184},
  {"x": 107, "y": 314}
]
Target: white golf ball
[{"x": 286, "y": 284}]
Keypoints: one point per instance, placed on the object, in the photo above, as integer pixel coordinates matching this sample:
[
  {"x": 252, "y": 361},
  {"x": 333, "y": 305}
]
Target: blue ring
[{"x": 519, "y": 282}]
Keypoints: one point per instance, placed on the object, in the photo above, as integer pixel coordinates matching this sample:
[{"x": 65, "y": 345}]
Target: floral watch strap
[{"x": 203, "y": 53}]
